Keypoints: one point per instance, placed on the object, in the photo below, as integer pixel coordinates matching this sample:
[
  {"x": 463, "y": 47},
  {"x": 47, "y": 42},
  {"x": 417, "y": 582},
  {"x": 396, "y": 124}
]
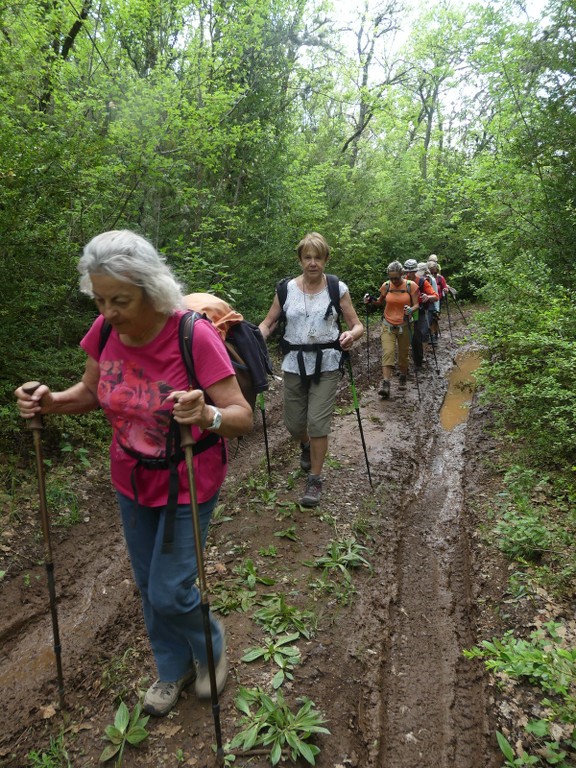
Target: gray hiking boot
[
  {"x": 162, "y": 696},
  {"x": 305, "y": 462},
  {"x": 384, "y": 390},
  {"x": 313, "y": 492}
]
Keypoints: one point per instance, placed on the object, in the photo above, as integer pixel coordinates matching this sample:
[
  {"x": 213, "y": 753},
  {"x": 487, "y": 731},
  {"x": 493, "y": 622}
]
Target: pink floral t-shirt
[{"x": 132, "y": 390}]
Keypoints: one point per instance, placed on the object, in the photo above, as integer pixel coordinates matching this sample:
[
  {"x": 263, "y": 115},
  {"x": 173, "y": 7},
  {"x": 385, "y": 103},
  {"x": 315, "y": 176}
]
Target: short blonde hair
[{"x": 317, "y": 242}]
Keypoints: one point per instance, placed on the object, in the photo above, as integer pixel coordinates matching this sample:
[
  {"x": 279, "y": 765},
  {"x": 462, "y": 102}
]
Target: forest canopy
[{"x": 224, "y": 131}]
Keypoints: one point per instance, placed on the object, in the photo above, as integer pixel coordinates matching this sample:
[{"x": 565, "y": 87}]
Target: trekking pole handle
[
  {"x": 186, "y": 438},
  {"x": 36, "y": 421}
]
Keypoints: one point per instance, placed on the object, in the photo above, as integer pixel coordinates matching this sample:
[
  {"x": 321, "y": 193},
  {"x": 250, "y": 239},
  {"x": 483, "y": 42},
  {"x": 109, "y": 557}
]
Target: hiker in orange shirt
[
  {"x": 426, "y": 294},
  {"x": 399, "y": 297}
]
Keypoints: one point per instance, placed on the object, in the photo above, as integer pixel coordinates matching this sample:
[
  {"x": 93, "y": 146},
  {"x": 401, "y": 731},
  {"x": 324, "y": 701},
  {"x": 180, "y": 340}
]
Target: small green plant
[
  {"x": 287, "y": 533},
  {"x": 127, "y": 729},
  {"x": 270, "y": 723},
  {"x": 277, "y": 616},
  {"x": 266, "y": 496},
  {"x": 342, "y": 555},
  {"x": 342, "y": 593},
  {"x": 116, "y": 673},
  {"x": 278, "y": 650},
  {"x": 55, "y": 757},
  {"x": 218, "y": 515},
  {"x": 286, "y": 509},
  {"x": 232, "y": 598},
  {"x": 63, "y": 501},
  {"x": 179, "y": 755},
  {"x": 79, "y": 455},
  {"x": 247, "y": 571},
  {"x": 511, "y": 759},
  {"x": 522, "y": 533},
  {"x": 270, "y": 551}
]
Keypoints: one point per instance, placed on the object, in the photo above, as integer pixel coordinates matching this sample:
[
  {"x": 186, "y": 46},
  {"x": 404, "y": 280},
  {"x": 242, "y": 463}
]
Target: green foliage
[
  {"x": 278, "y": 616},
  {"x": 127, "y": 729},
  {"x": 278, "y": 650},
  {"x": 534, "y": 525},
  {"x": 546, "y": 662},
  {"x": 270, "y": 723},
  {"x": 541, "y": 659},
  {"x": 235, "y": 597},
  {"x": 249, "y": 574},
  {"x": 341, "y": 557},
  {"x": 55, "y": 757},
  {"x": 532, "y": 359}
]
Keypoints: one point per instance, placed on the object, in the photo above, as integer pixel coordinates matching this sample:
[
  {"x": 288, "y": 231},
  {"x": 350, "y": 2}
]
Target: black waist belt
[
  {"x": 318, "y": 348},
  {"x": 174, "y": 456}
]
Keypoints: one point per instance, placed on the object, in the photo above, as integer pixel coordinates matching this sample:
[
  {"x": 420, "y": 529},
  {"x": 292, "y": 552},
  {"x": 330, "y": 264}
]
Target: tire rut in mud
[{"x": 427, "y": 704}]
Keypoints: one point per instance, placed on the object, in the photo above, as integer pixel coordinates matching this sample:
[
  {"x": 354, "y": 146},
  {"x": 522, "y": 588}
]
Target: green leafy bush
[
  {"x": 530, "y": 371},
  {"x": 270, "y": 723}
]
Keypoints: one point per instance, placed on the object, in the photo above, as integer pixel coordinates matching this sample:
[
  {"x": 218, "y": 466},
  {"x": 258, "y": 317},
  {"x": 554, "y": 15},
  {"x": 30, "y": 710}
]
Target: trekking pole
[
  {"x": 262, "y": 405},
  {"x": 357, "y": 409},
  {"x": 433, "y": 346},
  {"x": 459, "y": 310},
  {"x": 35, "y": 424},
  {"x": 412, "y": 350},
  {"x": 368, "y": 341},
  {"x": 449, "y": 320},
  {"x": 187, "y": 444}
]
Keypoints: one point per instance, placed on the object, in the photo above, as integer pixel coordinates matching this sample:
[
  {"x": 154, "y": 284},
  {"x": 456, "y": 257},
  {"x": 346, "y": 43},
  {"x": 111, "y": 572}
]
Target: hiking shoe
[
  {"x": 313, "y": 492},
  {"x": 202, "y": 686},
  {"x": 402, "y": 381},
  {"x": 384, "y": 390},
  {"x": 162, "y": 696},
  {"x": 305, "y": 462}
]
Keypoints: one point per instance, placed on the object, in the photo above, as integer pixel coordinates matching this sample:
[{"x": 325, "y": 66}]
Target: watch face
[{"x": 217, "y": 419}]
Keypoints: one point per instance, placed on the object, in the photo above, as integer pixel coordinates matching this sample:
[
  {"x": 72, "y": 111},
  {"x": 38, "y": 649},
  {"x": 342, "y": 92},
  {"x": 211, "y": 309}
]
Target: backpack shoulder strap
[
  {"x": 105, "y": 331},
  {"x": 185, "y": 336},
  {"x": 282, "y": 291},
  {"x": 333, "y": 284}
]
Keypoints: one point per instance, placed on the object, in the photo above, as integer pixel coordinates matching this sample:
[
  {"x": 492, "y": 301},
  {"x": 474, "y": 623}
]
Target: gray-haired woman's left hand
[{"x": 190, "y": 408}]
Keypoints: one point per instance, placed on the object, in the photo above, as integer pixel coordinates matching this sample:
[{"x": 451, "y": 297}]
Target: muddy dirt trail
[{"x": 385, "y": 664}]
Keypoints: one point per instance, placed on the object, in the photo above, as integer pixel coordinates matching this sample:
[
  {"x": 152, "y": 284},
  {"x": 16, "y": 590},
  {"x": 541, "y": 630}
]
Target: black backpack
[{"x": 333, "y": 285}]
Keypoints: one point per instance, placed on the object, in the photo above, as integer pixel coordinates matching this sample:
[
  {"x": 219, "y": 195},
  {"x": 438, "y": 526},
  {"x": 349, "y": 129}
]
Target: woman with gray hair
[
  {"x": 136, "y": 373},
  {"x": 399, "y": 297}
]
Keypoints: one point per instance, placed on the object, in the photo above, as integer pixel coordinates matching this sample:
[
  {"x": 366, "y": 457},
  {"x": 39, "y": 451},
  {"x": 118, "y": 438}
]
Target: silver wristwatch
[{"x": 217, "y": 420}]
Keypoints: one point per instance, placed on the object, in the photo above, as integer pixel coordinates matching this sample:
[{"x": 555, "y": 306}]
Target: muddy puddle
[{"x": 461, "y": 386}]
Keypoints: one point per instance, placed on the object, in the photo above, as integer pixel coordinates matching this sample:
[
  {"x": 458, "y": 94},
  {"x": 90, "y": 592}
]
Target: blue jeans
[{"x": 170, "y": 599}]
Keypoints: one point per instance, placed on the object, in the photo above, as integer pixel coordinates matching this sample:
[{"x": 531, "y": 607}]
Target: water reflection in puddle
[{"x": 461, "y": 383}]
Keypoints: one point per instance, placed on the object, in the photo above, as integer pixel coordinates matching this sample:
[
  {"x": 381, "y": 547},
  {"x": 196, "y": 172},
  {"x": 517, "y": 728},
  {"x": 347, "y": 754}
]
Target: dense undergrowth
[{"x": 528, "y": 381}]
